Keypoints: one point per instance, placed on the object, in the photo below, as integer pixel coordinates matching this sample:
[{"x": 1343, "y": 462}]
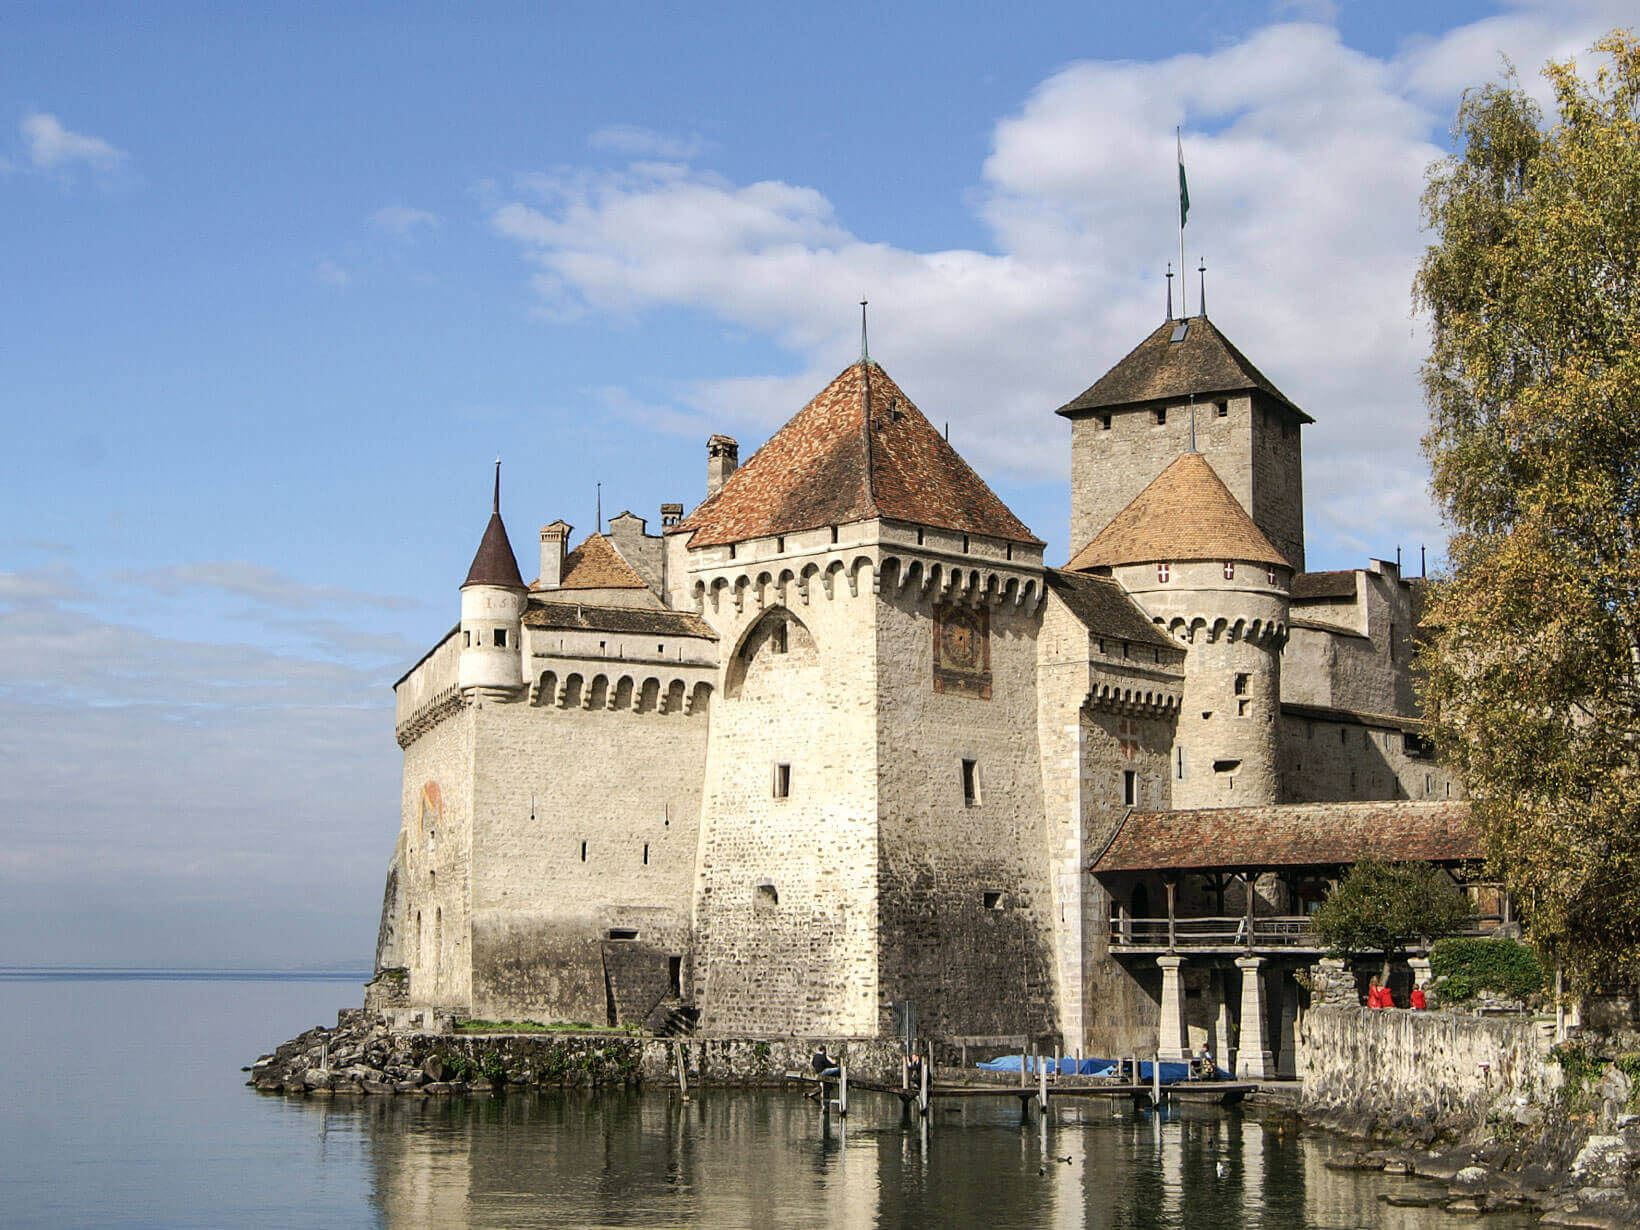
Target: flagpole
[{"x": 1184, "y": 290}]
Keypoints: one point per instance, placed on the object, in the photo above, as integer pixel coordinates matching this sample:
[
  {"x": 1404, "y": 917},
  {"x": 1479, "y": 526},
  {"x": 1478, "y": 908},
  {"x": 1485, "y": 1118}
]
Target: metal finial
[
  {"x": 495, "y": 503},
  {"x": 1170, "y": 290},
  {"x": 600, "y": 506},
  {"x": 1201, "y": 295},
  {"x": 1193, "y": 447},
  {"x": 865, "y": 351}
]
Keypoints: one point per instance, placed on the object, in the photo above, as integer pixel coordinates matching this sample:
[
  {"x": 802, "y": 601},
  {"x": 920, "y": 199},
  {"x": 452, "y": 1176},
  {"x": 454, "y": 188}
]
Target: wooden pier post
[
  {"x": 1042, "y": 1088},
  {"x": 923, "y": 1099},
  {"x": 1156, "y": 1081},
  {"x": 842, "y": 1092},
  {"x": 683, "y": 1075}
]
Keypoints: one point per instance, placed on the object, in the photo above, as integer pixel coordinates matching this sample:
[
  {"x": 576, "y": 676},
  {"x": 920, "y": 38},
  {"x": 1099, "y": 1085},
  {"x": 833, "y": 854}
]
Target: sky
[{"x": 278, "y": 282}]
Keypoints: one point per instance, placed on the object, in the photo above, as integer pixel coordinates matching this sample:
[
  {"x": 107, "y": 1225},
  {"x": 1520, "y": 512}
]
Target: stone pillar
[
  {"x": 1173, "y": 1042},
  {"x": 1253, "y": 1059},
  {"x": 1333, "y": 983},
  {"x": 1287, "y": 1040},
  {"x": 1221, "y": 1022},
  {"x": 1420, "y": 971}
]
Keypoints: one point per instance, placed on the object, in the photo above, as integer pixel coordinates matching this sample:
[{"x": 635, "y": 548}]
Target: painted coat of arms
[{"x": 962, "y": 651}]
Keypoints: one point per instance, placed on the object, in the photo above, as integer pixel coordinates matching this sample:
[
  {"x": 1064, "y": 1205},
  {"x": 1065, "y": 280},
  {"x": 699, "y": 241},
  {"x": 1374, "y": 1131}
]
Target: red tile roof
[
  {"x": 1290, "y": 835},
  {"x": 1187, "y": 513},
  {"x": 824, "y": 468}
]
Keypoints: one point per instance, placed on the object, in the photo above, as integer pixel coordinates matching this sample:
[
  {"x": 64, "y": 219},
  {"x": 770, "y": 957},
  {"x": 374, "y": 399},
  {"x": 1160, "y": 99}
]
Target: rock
[
  {"x": 1474, "y": 1205},
  {"x": 433, "y": 1068},
  {"x": 316, "y": 1078},
  {"x": 377, "y": 1087},
  {"x": 458, "y": 1086},
  {"x": 1472, "y": 1176},
  {"x": 1403, "y": 1201},
  {"x": 436, "y": 1087},
  {"x": 1603, "y": 1158},
  {"x": 1352, "y": 1161},
  {"x": 1397, "y": 1165},
  {"x": 481, "y": 1085},
  {"x": 407, "y": 1087},
  {"x": 268, "y": 1084}
]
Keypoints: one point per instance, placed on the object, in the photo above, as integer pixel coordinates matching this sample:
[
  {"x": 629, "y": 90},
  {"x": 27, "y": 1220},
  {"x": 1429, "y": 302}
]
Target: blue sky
[{"x": 278, "y": 284}]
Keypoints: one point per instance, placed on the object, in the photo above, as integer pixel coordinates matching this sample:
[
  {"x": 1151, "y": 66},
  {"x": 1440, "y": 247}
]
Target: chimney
[
  {"x": 554, "y": 544},
  {"x": 722, "y": 460},
  {"x": 671, "y": 514}
]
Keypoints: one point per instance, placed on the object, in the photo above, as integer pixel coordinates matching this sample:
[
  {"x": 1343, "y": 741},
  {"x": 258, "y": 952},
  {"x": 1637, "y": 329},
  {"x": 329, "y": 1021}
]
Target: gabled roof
[
  {"x": 1187, "y": 513},
  {"x": 495, "y": 563},
  {"x": 1290, "y": 835},
  {"x": 825, "y": 468},
  {"x": 1316, "y": 586},
  {"x": 1105, "y": 609},
  {"x": 596, "y": 564},
  {"x": 1202, "y": 362}
]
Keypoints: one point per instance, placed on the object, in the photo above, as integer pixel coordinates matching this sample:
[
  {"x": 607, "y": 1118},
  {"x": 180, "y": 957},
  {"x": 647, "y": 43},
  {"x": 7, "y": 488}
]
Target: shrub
[
  {"x": 1470, "y": 966},
  {"x": 1380, "y": 907}
]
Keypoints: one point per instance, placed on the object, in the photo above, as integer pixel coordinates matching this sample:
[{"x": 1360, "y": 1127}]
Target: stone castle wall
[
  {"x": 1329, "y": 761},
  {"x": 435, "y": 870}
]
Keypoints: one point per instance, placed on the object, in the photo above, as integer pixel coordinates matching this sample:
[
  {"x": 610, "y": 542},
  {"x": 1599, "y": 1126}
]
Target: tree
[
  {"x": 1382, "y": 907},
  {"x": 1533, "y": 379}
]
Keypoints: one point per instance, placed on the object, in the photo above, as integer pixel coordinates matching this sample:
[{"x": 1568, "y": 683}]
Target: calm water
[{"x": 123, "y": 1105}]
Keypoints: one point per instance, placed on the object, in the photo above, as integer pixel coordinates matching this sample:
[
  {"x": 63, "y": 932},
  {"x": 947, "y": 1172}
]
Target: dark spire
[
  {"x": 865, "y": 351},
  {"x": 1201, "y": 296},
  {"x": 1170, "y": 290},
  {"x": 495, "y": 563}
]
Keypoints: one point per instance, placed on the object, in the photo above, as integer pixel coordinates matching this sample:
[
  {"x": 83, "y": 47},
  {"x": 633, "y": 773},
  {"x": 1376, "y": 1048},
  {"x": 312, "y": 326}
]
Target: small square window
[
  {"x": 1241, "y": 708},
  {"x": 1104, "y": 422},
  {"x": 782, "y": 781},
  {"x": 765, "y": 896},
  {"x": 500, "y": 638},
  {"x": 622, "y": 933},
  {"x": 660, "y": 648},
  {"x": 1241, "y": 684},
  {"x": 1223, "y": 408},
  {"x": 1161, "y": 417},
  {"x": 991, "y": 900},
  {"x": 1164, "y": 573},
  {"x": 1130, "y": 788},
  {"x": 970, "y": 783}
]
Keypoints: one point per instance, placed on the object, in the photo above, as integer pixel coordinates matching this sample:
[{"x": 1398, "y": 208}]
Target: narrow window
[
  {"x": 1178, "y": 763},
  {"x": 779, "y": 542},
  {"x": 991, "y": 900},
  {"x": 1104, "y": 422},
  {"x": 1394, "y": 638},
  {"x": 467, "y": 639},
  {"x": 834, "y": 533},
  {"x": 602, "y": 645},
  {"x": 1223, "y": 407},
  {"x": 622, "y": 933},
  {"x": 965, "y": 544},
  {"x": 674, "y": 976},
  {"x": 500, "y": 638},
  {"x": 1164, "y": 573},
  {"x": 780, "y": 638},
  {"x": 660, "y": 649},
  {"x": 1130, "y": 788},
  {"x": 1229, "y": 570},
  {"x": 1343, "y": 735},
  {"x": 970, "y": 783},
  {"x": 1429, "y": 784},
  {"x": 646, "y": 854},
  {"x": 1241, "y": 685},
  {"x": 1449, "y": 790},
  {"x": 1161, "y": 416},
  {"x": 1241, "y": 708},
  {"x": 1309, "y": 731},
  {"x": 782, "y": 781},
  {"x": 731, "y": 550},
  {"x": 1101, "y": 644},
  {"x": 1125, "y": 649},
  {"x": 919, "y": 536},
  {"x": 1352, "y": 781},
  {"x": 583, "y": 851}
]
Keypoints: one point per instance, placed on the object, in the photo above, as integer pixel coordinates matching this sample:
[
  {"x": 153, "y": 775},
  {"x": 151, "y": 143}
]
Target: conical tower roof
[
  {"x": 859, "y": 450},
  {"x": 495, "y": 563},
  {"x": 1187, "y": 513},
  {"x": 1200, "y": 363}
]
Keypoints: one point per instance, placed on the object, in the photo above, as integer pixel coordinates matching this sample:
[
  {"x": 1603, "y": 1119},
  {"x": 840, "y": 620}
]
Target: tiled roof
[
  {"x": 1187, "y": 513},
  {"x": 1356, "y": 717},
  {"x": 596, "y": 564},
  {"x": 824, "y": 468},
  {"x": 1105, "y": 608},
  {"x": 579, "y": 617},
  {"x": 495, "y": 563},
  {"x": 1311, "y": 586},
  {"x": 1290, "y": 835},
  {"x": 1204, "y": 362}
]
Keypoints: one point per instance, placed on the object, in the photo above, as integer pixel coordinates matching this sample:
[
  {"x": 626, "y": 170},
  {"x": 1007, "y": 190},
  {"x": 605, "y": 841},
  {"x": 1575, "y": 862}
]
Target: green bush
[
  {"x": 1382, "y": 907},
  {"x": 1470, "y": 966}
]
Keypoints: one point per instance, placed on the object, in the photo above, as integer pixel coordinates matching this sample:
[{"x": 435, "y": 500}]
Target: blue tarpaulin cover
[{"x": 1172, "y": 1073}]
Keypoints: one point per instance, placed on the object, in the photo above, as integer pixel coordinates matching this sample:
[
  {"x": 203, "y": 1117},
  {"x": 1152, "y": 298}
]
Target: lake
[{"x": 124, "y": 1106}]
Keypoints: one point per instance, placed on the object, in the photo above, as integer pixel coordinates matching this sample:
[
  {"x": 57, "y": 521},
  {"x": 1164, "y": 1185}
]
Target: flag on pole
[{"x": 1184, "y": 188}]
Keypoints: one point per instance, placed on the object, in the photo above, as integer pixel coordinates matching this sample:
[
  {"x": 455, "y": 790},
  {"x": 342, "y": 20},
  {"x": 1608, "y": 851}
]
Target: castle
[{"x": 839, "y": 747}]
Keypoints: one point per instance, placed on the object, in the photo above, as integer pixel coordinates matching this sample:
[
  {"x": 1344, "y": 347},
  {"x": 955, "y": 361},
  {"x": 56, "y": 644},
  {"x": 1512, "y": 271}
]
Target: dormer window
[
  {"x": 1164, "y": 573},
  {"x": 1229, "y": 570}
]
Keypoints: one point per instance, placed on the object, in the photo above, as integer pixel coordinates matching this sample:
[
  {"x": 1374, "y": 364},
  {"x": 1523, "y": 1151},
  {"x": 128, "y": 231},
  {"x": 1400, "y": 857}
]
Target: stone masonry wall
[
  {"x": 786, "y": 903},
  {"x": 1401, "y": 1070},
  {"x": 434, "y": 872},
  {"x": 586, "y": 821},
  {"x": 966, "y": 907}
]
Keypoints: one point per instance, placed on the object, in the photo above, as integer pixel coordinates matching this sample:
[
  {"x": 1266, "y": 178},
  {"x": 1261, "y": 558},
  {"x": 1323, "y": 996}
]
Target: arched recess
[{"x": 777, "y": 632}]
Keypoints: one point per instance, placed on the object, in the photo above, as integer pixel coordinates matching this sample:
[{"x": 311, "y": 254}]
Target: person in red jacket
[
  {"x": 1419, "y": 1001},
  {"x": 1378, "y": 996}
]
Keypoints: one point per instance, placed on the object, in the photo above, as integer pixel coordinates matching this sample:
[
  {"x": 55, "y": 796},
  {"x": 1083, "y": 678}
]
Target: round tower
[
  {"x": 1192, "y": 558},
  {"x": 493, "y": 598}
]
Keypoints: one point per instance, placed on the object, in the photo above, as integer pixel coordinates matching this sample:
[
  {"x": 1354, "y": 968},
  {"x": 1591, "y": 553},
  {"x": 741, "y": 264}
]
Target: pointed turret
[{"x": 493, "y": 598}]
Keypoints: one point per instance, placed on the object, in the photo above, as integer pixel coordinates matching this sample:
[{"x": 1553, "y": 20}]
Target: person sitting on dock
[
  {"x": 913, "y": 1071},
  {"x": 824, "y": 1065},
  {"x": 1202, "y": 1068}
]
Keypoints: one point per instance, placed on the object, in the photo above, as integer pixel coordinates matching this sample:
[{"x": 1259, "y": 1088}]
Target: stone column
[
  {"x": 1420, "y": 971},
  {"x": 1173, "y": 1042},
  {"x": 1287, "y": 1040},
  {"x": 1253, "y": 1059},
  {"x": 1221, "y": 1022}
]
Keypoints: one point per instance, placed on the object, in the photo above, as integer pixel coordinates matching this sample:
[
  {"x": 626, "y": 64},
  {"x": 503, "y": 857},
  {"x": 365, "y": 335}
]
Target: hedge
[{"x": 1469, "y": 966}]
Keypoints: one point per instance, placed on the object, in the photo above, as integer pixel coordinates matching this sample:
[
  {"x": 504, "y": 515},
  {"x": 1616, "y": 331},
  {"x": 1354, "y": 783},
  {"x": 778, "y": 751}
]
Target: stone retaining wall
[{"x": 1422, "y": 1072}]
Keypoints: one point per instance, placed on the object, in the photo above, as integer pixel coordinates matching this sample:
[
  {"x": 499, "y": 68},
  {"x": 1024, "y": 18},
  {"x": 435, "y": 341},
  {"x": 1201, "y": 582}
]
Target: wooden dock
[{"x": 836, "y": 1090}]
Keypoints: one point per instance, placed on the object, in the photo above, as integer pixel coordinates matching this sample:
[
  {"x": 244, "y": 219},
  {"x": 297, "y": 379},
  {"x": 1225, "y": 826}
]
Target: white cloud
[
  {"x": 631, "y": 141},
  {"x": 254, "y": 581},
  {"x": 51, "y": 146},
  {"x": 332, "y": 274},
  {"x": 402, "y": 221},
  {"x": 1306, "y": 161}
]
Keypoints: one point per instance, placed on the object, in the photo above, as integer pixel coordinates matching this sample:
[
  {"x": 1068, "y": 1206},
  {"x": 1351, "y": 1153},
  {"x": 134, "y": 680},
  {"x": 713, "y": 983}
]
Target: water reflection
[{"x": 770, "y": 1159}]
